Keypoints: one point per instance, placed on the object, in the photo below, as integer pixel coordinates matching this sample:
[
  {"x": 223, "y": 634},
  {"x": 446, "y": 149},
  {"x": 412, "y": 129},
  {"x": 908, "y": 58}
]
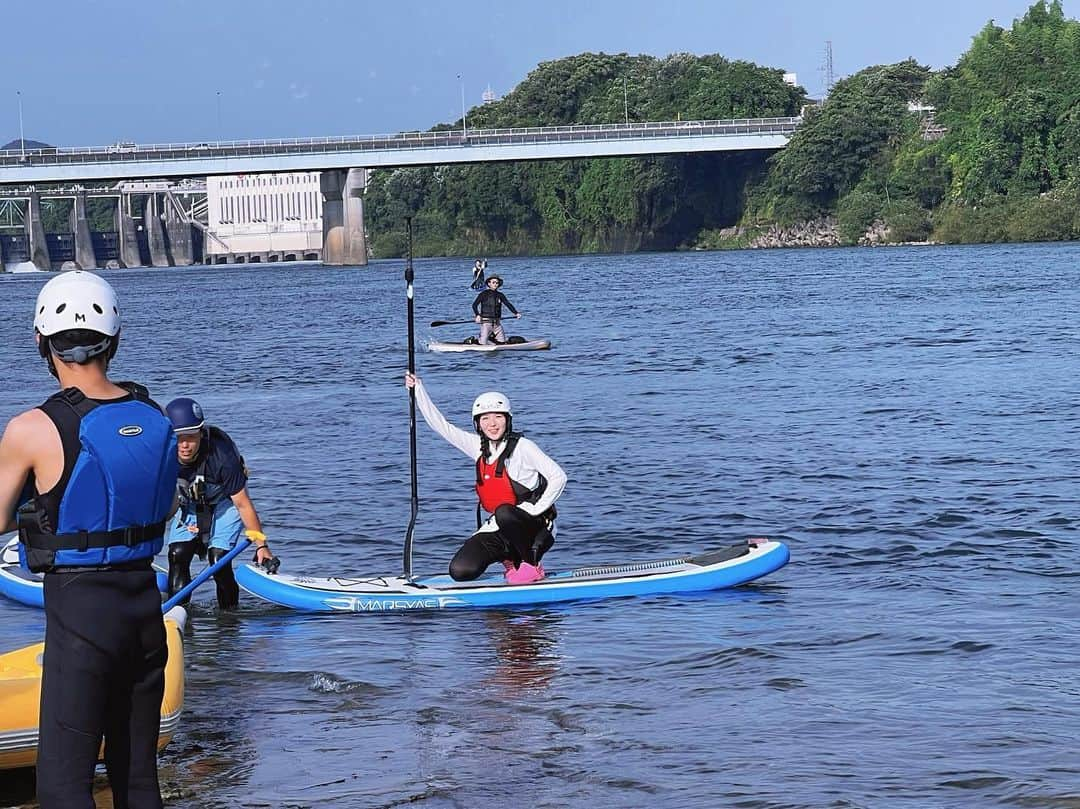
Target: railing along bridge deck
[{"x": 401, "y": 149}]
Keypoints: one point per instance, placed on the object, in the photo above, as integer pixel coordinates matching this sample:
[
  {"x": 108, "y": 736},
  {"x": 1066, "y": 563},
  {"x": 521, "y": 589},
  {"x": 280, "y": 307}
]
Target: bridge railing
[{"x": 402, "y": 140}]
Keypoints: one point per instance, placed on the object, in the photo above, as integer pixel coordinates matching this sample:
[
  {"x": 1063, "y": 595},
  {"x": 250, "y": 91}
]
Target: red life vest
[
  {"x": 493, "y": 485},
  {"x": 495, "y": 488}
]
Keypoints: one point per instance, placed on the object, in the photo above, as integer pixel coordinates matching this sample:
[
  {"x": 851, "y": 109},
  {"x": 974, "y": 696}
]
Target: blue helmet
[{"x": 185, "y": 414}]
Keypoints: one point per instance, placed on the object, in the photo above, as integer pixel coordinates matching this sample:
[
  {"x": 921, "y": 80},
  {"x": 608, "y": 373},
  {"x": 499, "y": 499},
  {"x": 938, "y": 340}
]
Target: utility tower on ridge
[{"x": 827, "y": 68}]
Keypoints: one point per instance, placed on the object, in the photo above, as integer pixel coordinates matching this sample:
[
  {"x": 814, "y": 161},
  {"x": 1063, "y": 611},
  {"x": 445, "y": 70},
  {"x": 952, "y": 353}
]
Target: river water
[{"x": 906, "y": 419}]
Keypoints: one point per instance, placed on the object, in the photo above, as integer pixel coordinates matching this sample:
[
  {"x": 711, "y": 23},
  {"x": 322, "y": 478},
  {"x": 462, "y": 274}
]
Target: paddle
[
  {"x": 209, "y": 571},
  {"x": 436, "y": 323},
  {"x": 407, "y": 556}
]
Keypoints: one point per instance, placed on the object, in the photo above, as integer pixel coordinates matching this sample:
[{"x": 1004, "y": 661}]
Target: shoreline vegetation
[{"x": 985, "y": 151}]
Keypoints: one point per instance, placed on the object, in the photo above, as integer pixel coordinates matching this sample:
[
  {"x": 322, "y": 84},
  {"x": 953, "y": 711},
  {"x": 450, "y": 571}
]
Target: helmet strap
[
  {"x": 44, "y": 351},
  {"x": 80, "y": 355},
  {"x": 83, "y": 354}
]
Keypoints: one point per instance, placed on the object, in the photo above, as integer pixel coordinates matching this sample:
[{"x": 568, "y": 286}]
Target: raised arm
[{"x": 469, "y": 443}]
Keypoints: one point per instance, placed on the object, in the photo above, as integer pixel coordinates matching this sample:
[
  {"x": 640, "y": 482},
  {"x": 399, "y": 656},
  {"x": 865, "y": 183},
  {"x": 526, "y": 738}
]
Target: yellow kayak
[{"x": 20, "y": 695}]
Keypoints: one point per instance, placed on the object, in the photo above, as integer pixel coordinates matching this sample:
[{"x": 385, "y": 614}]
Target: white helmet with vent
[
  {"x": 491, "y": 402},
  {"x": 77, "y": 300}
]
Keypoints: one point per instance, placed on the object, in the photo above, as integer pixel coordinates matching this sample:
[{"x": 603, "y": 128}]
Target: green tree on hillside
[
  {"x": 1010, "y": 109},
  {"x": 856, "y": 129},
  {"x": 603, "y": 204},
  {"x": 1006, "y": 167},
  {"x": 1011, "y": 105}
]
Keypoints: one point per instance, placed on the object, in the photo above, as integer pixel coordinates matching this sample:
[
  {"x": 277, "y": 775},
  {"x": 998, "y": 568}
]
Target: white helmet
[
  {"x": 491, "y": 402},
  {"x": 77, "y": 300}
]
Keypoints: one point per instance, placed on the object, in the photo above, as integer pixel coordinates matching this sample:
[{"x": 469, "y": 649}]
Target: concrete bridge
[
  {"x": 381, "y": 151},
  {"x": 343, "y": 161}
]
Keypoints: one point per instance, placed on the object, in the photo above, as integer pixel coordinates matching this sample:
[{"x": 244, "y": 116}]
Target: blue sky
[{"x": 97, "y": 71}]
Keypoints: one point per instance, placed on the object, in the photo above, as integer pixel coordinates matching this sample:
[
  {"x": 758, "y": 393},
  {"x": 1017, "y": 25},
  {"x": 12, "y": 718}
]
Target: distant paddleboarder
[
  {"x": 478, "y": 273},
  {"x": 487, "y": 309}
]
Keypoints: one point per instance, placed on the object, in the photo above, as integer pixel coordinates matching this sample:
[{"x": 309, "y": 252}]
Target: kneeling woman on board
[{"x": 517, "y": 485}]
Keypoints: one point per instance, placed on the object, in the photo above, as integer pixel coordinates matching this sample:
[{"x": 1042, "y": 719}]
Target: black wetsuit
[
  {"x": 522, "y": 537},
  {"x": 103, "y": 675},
  {"x": 489, "y": 304},
  {"x": 103, "y": 672}
]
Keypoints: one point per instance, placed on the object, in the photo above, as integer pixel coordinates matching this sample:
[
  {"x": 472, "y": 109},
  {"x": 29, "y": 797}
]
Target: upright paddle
[{"x": 407, "y": 557}]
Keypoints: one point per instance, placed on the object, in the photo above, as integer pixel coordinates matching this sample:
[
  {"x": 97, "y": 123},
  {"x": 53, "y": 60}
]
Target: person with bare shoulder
[{"x": 89, "y": 479}]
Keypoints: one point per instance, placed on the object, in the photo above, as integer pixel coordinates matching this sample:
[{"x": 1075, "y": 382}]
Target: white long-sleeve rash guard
[{"x": 524, "y": 466}]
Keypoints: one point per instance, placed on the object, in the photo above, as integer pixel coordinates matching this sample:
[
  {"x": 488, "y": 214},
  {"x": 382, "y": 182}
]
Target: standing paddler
[
  {"x": 478, "y": 273},
  {"x": 100, "y": 461}
]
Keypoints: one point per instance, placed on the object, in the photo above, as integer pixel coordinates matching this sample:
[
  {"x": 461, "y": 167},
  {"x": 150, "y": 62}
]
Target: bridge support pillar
[
  {"x": 155, "y": 233},
  {"x": 84, "y": 245},
  {"x": 344, "y": 241},
  {"x": 129, "y": 240},
  {"x": 331, "y": 184},
  {"x": 353, "y": 204},
  {"x": 39, "y": 248}
]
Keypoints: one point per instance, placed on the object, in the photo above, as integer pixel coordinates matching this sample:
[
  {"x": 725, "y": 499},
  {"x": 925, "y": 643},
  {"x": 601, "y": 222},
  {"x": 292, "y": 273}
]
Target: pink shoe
[
  {"x": 524, "y": 574},
  {"x": 507, "y": 565}
]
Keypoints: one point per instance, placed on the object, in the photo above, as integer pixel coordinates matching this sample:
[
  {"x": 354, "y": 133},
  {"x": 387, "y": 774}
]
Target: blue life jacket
[{"x": 116, "y": 491}]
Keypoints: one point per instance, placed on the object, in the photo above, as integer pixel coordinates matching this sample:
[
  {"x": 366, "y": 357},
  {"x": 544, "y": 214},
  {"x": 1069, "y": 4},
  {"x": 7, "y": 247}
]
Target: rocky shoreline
[{"x": 822, "y": 232}]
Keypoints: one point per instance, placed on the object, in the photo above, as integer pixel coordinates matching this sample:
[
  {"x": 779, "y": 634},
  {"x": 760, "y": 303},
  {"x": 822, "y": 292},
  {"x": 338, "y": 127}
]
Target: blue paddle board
[
  {"x": 727, "y": 567},
  {"x": 19, "y": 584}
]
